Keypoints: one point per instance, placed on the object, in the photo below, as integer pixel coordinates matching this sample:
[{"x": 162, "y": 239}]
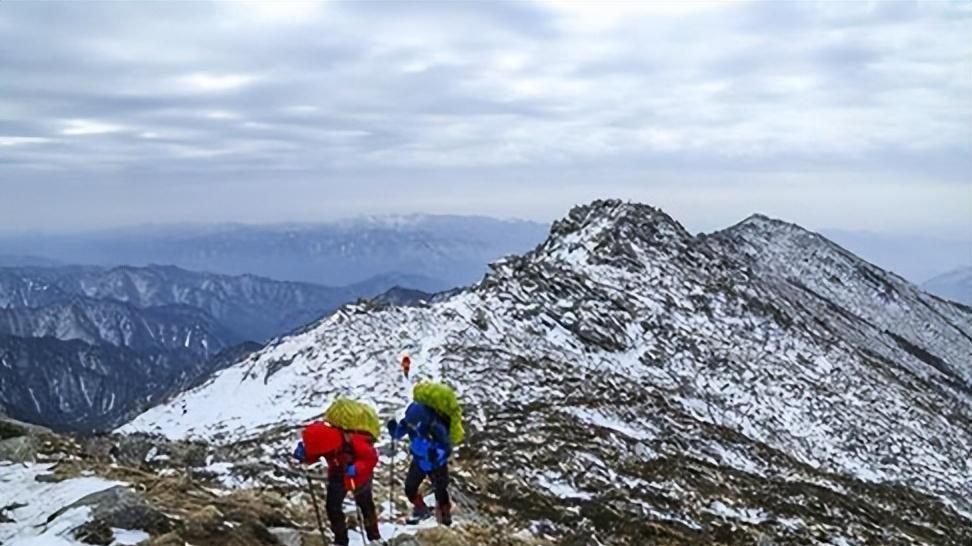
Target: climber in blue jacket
[{"x": 428, "y": 434}]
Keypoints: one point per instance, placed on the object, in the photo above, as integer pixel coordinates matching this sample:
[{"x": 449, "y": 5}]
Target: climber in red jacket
[{"x": 351, "y": 460}]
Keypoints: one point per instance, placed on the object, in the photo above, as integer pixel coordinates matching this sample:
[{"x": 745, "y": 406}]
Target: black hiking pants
[
  {"x": 335, "y": 509},
  {"x": 440, "y": 484}
]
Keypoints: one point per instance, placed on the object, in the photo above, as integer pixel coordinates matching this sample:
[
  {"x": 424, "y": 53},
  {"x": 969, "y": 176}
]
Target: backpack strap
[
  {"x": 346, "y": 446},
  {"x": 433, "y": 417}
]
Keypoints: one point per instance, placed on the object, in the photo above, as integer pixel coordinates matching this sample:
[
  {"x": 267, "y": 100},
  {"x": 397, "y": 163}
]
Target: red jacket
[{"x": 340, "y": 448}]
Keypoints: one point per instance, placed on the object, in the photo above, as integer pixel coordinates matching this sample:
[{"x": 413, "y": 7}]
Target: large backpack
[
  {"x": 442, "y": 398},
  {"x": 352, "y": 415}
]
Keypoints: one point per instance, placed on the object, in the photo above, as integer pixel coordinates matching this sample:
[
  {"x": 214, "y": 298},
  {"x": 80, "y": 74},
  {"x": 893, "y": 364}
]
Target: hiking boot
[
  {"x": 419, "y": 513},
  {"x": 444, "y": 513}
]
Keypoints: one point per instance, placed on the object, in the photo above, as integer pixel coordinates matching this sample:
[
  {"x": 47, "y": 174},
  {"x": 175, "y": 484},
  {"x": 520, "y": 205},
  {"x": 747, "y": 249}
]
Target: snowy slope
[
  {"x": 629, "y": 377},
  {"x": 829, "y": 274}
]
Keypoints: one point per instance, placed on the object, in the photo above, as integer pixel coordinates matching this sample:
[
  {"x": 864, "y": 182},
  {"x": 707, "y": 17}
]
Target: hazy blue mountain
[
  {"x": 98, "y": 321},
  {"x": 914, "y": 257},
  {"x": 954, "y": 285},
  {"x": 398, "y": 296},
  {"x": 253, "y": 308},
  {"x": 25, "y": 260},
  {"x": 382, "y": 283},
  {"x": 448, "y": 251}
]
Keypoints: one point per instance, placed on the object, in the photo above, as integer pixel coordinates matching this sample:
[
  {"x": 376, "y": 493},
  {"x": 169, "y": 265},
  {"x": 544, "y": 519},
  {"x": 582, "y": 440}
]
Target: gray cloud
[{"x": 113, "y": 113}]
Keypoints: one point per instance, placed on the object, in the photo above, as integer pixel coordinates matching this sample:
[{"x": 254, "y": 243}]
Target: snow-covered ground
[{"x": 38, "y": 501}]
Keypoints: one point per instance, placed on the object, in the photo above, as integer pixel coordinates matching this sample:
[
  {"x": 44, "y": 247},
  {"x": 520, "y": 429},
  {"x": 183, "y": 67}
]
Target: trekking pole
[
  {"x": 357, "y": 511},
  {"x": 391, "y": 483},
  {"x": 317, "y": 510}
]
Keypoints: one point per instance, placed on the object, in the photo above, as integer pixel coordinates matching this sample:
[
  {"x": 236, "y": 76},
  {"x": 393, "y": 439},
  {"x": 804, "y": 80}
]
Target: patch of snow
[
  {"x": 561, "y": 488},
  {"x": 614, "y": 423},
  {"x": 19, "y": 486},
  {"x": 128, "y": 537},
  {"x": 748, "y": 515}
]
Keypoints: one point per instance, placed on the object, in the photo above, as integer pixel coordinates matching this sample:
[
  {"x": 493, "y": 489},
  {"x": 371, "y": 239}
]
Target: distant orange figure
[{"x": 406, "y": 365}]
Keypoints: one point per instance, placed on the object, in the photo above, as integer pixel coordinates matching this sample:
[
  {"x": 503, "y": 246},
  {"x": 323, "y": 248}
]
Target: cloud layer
[{"x": 842, "y": 114}]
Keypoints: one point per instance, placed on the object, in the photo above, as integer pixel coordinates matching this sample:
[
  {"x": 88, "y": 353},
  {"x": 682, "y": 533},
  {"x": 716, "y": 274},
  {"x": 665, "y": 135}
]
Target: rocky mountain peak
[
  {"x": 613, "y": 217},
  {"x": 759, "y": 230},
  {"x": 613, "y": 233}
]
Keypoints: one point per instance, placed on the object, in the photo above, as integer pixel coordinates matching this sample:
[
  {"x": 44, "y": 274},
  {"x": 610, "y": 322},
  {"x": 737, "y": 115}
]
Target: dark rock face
[
  {"x": 82, "y": 387},
  {"x": 95, "y": 532}
]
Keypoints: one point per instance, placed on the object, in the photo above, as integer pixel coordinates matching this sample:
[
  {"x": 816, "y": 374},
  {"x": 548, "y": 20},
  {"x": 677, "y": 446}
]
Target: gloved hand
[
  {"x": 352, "y": 471},
  {"x": 392, "y": 426},
  {"x": 299, "y": 452}
]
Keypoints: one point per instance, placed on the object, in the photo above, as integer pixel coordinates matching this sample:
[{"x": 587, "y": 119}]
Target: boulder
[
  {"x": 287, "y": 536},
  {"x": 120, "y": 508},
  {"x": 10, "y": 428},
  {"x": 435, "y": 536},
  {"x": 19, "y": 449},
  {"x": 95, "y": 532}
]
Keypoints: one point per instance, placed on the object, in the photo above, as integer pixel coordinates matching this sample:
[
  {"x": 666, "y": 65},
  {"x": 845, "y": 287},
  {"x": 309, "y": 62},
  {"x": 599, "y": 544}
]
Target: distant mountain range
[
  {"x": 83, "y": 346},
  {"x": 250, "y": 307},
  {"x": 109, "y": 322},
  {"x": 914, "y": 257},
  {"x": 441, "y": 252},
  {"x": 955, "y": 285}
]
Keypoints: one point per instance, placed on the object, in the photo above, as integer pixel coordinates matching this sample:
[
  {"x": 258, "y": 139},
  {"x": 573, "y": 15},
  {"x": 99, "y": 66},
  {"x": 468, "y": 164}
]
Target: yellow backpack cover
[
  {"x": 442, "y": 398},
  {"x": 353, "y": 415}
]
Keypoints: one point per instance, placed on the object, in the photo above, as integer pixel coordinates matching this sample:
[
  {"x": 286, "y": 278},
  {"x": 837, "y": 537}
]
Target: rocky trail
[{"x": 141, "y": 489}]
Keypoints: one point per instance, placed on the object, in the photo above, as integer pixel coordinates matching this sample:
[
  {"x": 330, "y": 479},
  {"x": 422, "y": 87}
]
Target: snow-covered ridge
[
  {"x": 623, "y": 341},
  {"x": 828, "y": 273}
]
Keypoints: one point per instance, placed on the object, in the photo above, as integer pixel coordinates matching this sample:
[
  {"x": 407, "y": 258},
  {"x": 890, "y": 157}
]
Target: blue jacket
[{"x": 428, "y": 436}]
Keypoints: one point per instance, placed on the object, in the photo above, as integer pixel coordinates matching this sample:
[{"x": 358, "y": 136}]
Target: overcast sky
[{"x": 834, "y": 114}]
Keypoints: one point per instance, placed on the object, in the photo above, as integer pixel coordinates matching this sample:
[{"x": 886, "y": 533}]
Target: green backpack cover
[
  {"x": 442, "y": 399},
  {"x": 353, "y": 415}
]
